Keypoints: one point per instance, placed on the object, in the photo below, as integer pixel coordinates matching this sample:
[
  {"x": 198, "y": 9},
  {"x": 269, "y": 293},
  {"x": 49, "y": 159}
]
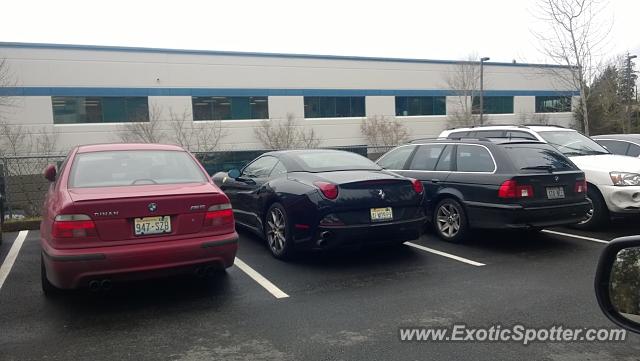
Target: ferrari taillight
[
  {"x": 73, "y": 226},
  {"x": 417, "y": 185},
  {"x": 219, "y": 215},
  {"x": 329, "y": 190}
]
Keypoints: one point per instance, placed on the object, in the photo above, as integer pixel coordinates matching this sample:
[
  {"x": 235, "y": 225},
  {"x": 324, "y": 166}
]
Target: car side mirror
[
  {"x": 233, "y": 173},
  {"x": 50, "y": 173},
  {"x": 617, "y": 282}
]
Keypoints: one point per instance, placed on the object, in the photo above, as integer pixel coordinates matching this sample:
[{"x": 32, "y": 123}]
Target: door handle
[{"x": 435, "y": 180}]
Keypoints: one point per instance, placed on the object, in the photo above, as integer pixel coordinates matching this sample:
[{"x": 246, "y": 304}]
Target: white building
[{"x": 86, "y": 93}]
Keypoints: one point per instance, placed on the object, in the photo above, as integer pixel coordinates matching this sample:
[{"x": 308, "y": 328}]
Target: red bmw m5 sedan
[{"x": 132, "y": 211}]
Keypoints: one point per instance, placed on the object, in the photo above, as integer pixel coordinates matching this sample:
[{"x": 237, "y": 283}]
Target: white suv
[{"x": 614, "y": 180}]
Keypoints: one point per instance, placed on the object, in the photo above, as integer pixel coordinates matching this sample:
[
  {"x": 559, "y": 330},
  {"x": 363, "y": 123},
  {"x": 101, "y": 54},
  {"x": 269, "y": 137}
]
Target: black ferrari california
[{"x": 321, "y": 199}]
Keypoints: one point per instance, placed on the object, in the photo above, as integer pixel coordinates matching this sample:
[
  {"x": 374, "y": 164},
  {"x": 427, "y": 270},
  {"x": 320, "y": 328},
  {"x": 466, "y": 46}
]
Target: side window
[
  {"x": 521, "y": 135},
  {"x": 397, "y": 158},
  {"x": 634, "y": 150},
  {"x": 278, "y": 169},
  {"x": 615, "y": 147},
  {"x": 260, "y": 168},
  {"x": 426, "y": 157},
  {"x": 472, "y": 158},
  {"x": 457, "y": 135},
  {"x": 444, "y": 164},
  {"x": 490, "y": 134}
]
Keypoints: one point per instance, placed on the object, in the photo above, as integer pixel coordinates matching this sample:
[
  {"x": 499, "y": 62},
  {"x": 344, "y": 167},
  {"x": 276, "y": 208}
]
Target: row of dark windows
[{"x": 73, "y": 110}]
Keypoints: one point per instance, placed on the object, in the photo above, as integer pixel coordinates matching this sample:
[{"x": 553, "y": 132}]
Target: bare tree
[
  {"x": 24, "y": 152},
  {"x": 383, "y": 131},
  {"x": 143, "y": 129},
  {"x": 464, "y": 81},
  {"x": 574, "y": 35},
  {"x": 286, "y": 134},
  {"x": 195, "y": 136}
]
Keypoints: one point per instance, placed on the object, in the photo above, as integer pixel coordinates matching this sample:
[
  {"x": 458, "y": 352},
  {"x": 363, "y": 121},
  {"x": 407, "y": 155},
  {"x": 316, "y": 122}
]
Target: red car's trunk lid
[{"x": 114, "y": 209}]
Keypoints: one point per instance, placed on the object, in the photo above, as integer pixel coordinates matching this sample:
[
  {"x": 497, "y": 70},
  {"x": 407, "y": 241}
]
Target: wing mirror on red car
[
  {"x": 50, "y": 173},
  {"x": 617, "y": 282}
]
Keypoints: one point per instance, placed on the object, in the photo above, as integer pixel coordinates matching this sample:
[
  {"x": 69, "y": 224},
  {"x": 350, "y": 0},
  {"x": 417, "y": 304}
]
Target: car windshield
[
  {"x": 334, "y": 161},
  {"x": 135, "y": 167},
  {"x": 573, "y": 143}
]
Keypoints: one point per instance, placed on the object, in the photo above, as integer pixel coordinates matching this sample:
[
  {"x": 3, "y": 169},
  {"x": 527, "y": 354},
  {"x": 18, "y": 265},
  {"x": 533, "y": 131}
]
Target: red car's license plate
[{"x": 152, "y": 225}]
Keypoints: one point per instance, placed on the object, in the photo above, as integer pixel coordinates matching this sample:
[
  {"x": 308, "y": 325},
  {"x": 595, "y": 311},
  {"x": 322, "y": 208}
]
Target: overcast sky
[{"x": 443, "y": 29}]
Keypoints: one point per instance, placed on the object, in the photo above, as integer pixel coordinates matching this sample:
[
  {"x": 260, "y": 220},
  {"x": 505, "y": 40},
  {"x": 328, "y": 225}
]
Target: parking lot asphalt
[{"x": 339, "y": 306}]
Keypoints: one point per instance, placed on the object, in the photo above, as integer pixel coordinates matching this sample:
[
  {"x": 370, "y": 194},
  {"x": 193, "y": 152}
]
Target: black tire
[
  {"x": 600, "y": 216},
  {"x": 452, "y": 228},
  {"x": 47, "y": 288},
  {"x": 277, "y": 232}
]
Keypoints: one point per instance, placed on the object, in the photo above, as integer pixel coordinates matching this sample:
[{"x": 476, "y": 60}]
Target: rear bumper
[
  {"x": 498, "y": 216},
  {"x": 364, "y": 235},
  {"x": 73, "y": 268}
]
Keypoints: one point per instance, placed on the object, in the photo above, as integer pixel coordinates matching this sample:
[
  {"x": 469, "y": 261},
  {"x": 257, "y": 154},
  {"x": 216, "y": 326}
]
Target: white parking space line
[
  {"x": 265, "y": 283},
  {"x": 444, "y": 254},
  {"x": 574, "y": 236},
  {"x": 11, "y": 256}
]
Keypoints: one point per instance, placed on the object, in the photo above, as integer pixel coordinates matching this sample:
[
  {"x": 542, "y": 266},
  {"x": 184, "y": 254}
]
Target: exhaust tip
[
  {"x": 324, "y": 238},
  {"x": 94, "y": 285},
  {"x": 106, "y": 285}
]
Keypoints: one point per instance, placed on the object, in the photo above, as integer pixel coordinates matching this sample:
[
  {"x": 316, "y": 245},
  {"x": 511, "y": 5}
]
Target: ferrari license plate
[
  {"x": 555, "y": 192},
  {"x": 152, "y": 225},
  {"x": 381, "y": 214}
]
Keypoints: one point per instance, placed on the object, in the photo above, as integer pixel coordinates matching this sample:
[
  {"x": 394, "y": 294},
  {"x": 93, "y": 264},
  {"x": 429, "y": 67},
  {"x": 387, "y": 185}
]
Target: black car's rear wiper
[{"x": 548, "y": 168}]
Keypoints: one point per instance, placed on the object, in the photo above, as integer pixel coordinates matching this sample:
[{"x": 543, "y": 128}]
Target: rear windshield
[
  {"x": 538, "y": 157},
  {"x": 134, "y": 167},
  {"x": 334, "y": 161}
]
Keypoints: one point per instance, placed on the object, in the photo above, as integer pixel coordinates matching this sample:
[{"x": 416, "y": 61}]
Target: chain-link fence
[{"x": 23, "y": 186}]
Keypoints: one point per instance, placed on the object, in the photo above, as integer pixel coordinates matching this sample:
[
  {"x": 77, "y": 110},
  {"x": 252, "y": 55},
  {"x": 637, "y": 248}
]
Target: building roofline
[{"x": 257, "y": 54}]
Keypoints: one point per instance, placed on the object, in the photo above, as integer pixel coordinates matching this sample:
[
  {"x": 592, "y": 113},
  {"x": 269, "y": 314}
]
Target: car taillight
[
  {"x": 581, "y": 186},
  {"x": 218, "y": 215},
  {"x": 511, "y": 189},
  {"x": 73, "y": 226},
  {"x": 417, "y": 185},
  {"x": 329, "y": 190}
]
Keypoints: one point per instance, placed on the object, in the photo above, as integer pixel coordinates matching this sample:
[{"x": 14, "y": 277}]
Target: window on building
[
  {"x": 420, "y": 106},
  {"x": 553, "y": 104},
  {"x": 333, "y": 107},
  {"x": 494, "y": 105},
  {"x": 230, "y": 108},
  {"x": 74, "y": 110}
]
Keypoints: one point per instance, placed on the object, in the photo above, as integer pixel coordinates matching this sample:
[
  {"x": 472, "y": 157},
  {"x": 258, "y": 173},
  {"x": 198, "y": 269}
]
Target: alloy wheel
[
  {"x": 589, "y": 213},
  {"x": 448, "y": 220},
  {"x": 276, "y": 228}
]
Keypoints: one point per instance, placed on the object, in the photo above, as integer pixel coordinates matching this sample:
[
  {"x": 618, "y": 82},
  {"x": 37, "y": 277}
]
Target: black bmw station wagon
[{"x": 497, "y": 183}]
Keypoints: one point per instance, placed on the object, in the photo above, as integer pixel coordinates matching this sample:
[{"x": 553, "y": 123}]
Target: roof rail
[
  {"x": 470, "y": 138},
  {"x": 543, "y": 125},
  {"x": 490, "y": 125},
  {"x": 423, "y": 139}
]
